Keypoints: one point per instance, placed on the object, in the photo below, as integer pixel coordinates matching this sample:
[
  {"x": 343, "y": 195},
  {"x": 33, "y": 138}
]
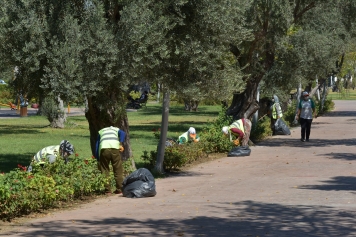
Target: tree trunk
[
  {"x": 108, "y": 110},
  {"x": 163, "y": 137},
  {"x": 245, "y": 104},
  {"x": 191, "y": 105},
  {"x": 59, "y": 121},
  {"x": 255, "y": 115},
  {"x": 158, "y": 92}
]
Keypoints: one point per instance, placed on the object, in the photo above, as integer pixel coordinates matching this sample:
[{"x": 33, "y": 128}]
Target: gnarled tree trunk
[
  {"x": 245, "y": 104},
  {"x": 191, "y": 105}
]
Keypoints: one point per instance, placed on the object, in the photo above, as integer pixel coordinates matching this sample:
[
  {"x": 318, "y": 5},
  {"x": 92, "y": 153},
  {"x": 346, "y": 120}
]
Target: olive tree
[
  {"x": 68, "y": 49},
  {"x": 293, "y": 41},
  {"x": 183, "y": 45}
]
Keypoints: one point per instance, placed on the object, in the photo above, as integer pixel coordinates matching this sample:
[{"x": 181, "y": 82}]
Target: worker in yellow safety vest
[
  {"x": 240, "y": 129},
  {"x": 109, "y": 146},
  {"x": 188, "y": 136},
  {"x": 50, "y": 154},
  {"x": 275, "y": 113}
]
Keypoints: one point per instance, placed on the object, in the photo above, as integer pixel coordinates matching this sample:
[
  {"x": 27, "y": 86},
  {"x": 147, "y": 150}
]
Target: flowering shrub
[{"x": 23, "y": 192}]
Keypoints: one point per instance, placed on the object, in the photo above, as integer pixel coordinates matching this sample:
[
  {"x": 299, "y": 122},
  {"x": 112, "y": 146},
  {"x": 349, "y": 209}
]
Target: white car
[{"x": 2, "y": 82}]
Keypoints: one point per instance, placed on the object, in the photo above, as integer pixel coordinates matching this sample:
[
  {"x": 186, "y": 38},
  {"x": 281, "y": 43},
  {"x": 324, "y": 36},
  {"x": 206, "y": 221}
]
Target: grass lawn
[
  {"x": 348, "y": 94},
  {"x": 21, "y": 138}
]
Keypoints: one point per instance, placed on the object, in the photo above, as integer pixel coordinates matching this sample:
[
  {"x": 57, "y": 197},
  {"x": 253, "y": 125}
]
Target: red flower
[
  {"x": 86, "y": 161},
  {"x": 24, "y": 168},
  {"x": 76, "y": 154},
  {"x": 93, "y": 157}
]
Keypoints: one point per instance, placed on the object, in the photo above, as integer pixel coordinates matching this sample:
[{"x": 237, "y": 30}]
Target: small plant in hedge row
[
  {"x": 261, "y": 130},
  {"x": 212, "y": 139},
  {"x": 176, "y": 156}
]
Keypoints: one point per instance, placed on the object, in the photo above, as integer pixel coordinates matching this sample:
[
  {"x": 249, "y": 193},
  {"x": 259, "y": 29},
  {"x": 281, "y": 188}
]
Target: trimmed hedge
[{"x": 23, "y": 192}]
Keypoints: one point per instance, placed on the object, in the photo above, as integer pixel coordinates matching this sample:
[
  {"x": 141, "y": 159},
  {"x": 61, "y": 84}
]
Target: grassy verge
[
  {"x": 345, "y": 94},
  {"x": 23, "y": 137}
]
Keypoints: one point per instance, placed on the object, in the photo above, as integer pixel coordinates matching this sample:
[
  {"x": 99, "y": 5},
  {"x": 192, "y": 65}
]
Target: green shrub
[
  {"x": 134, "y": 94},
  {"x": 261, "y": 130},
  {"x": 175, "y": 156},
  {"x": 5, "y": 94},
  {"x": 23, "y": 192},
  {"x": 289, "y": 115},
  {"x": 212, "y": 139},
  {"x": 328, "y": 106}
]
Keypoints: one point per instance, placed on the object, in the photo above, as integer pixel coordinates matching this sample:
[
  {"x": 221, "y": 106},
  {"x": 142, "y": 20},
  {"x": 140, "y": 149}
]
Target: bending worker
[
  {"x": 240, "y": 129},
  {"x": 108, "y": 150},
  {"x": 50, "y": 154},
  {"x": 188, "y": 136}
]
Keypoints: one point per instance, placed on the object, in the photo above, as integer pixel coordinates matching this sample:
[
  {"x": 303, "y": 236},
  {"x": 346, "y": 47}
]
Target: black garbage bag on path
[
  {"x": 281, "y": 128},
  {"x": 239, "y": 151},
  {"x": 139, "y": 184}
]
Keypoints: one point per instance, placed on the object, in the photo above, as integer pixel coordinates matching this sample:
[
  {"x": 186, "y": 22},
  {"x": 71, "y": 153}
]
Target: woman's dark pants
[{"x": 305, "y": 125}]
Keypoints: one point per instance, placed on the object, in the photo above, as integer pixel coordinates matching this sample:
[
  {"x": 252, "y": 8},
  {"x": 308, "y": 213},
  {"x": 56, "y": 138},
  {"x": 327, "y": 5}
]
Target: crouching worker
[
  {"x": 240, "y": 129},
  {"x": 109, "y": 146},
  {"x": 50, "y": 154},
  {"x": 188, "y": 136}
]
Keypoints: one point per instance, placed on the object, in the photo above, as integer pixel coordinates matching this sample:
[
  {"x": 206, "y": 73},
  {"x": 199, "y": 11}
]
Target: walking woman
[{"x": 306, "y": 112}]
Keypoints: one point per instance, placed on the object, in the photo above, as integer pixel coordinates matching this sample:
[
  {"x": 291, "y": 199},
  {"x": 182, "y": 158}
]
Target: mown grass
[
  {"x": 345, "y": 94},
  {"x": 22, "y": 137}
]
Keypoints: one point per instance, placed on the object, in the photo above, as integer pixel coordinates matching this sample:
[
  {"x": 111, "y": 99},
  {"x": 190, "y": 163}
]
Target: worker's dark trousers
[
  {"x": 113, "y": 156},
  {"x": 305, "y": 125}
]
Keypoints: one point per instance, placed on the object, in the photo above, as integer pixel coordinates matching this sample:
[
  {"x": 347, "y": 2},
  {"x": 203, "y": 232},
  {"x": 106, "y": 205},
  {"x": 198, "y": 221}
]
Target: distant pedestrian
[
  {"x": 275, "y": 112},
  {"x": 306, "y": 112},
  {"x": 108, "y": 150},
  {"x": 241, "y": 130}
]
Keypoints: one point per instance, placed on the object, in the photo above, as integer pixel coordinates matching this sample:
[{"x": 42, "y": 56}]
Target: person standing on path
[
  {"x": 275, "y": 113},
  {"x": 241, "y": 129},
  {"x": 108, "y": 150},
  {"x": 306, "y": 112}
]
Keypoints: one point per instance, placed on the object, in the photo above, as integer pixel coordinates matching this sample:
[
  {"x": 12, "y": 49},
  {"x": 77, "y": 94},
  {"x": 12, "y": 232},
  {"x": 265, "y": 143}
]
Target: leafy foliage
[
  {"x": 5, "y": 94},
  {"x": 23, "y": 192},
  {"x": 261, "y": 130},
  {"x": 176, "y": 156}
]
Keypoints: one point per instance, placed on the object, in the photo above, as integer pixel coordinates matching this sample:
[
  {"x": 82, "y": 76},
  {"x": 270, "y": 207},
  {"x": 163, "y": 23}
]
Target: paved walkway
[{"x": 285, "y": 188}]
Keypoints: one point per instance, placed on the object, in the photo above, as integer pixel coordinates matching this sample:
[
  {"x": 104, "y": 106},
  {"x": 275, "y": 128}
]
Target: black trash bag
[
  {"x": 139, "y": 184},
  {"x": 239, "y": 151},
  {"x": 281, "y": 128}
]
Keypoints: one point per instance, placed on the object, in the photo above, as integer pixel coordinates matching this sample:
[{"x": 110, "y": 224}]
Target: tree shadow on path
[{"x": 246, "y": 218}]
